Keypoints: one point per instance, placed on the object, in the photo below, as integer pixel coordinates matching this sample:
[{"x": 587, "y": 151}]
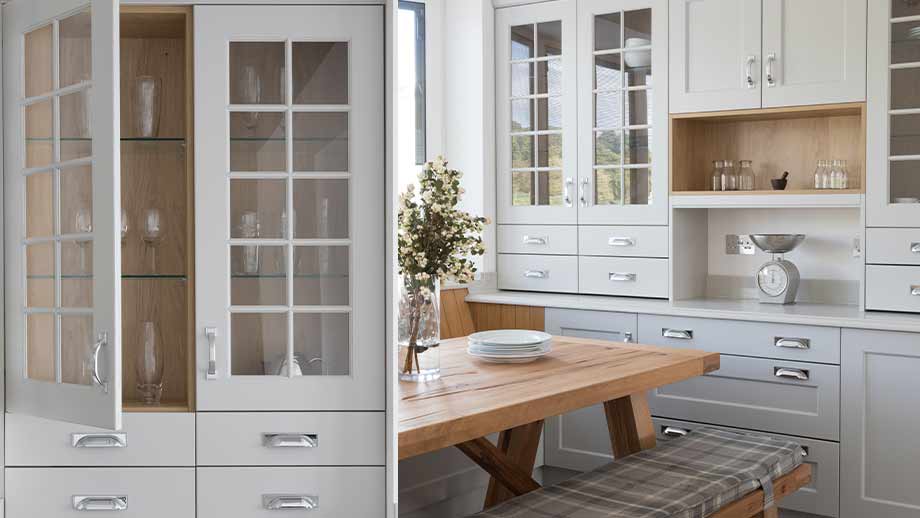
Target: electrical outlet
[{"x": 739, "y": 245}]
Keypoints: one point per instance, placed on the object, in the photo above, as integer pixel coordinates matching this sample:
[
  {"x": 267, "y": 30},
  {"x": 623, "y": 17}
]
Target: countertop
[{"x": 809, "y": 314}]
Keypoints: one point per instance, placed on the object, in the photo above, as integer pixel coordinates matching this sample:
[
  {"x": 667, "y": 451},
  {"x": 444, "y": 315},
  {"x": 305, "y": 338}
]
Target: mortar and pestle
[{"x": 779, "y": 184}]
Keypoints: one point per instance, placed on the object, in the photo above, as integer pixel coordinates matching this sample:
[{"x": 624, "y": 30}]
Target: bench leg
[{"x": 629, "y": 424}]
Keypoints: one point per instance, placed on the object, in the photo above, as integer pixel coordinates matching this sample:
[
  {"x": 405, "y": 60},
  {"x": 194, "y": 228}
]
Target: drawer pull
[
  {"x": 211, "y": 333},
  {"x": 673, "y": 431},
  {"x": 99, "y": 440},
  {"x": 290, "y": 502},
  {"x": 101, "y": 341},
  {"x": 290, "y": 440},
  {"x": 621, "y": 241},
  {"x": 627, "y": 337},
  {"x": 783, "y": 372},
  {"x": 792, "y": 343},
  {"x": 535, "y": 240},
  {"x": 915, "y": 248},
  {"x": 621, "y": 277},
  {"x": 566, "y": 195},
  {"x": 536, "y": 274},
  {"x": 804, "y": 451},
  {"x": 915, "y": 291},
  {"x": 100, "y": 503},
  {"x": 677, "y": 334}
]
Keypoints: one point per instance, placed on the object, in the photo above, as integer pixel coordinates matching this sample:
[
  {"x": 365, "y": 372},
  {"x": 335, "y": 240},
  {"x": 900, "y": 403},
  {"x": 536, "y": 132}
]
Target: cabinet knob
[
  {"x": 100, "y": 503},
  {"x": 290, "y": 502}
]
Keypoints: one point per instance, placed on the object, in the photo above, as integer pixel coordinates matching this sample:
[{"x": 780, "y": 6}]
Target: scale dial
[{"x": 773, "y": 279}]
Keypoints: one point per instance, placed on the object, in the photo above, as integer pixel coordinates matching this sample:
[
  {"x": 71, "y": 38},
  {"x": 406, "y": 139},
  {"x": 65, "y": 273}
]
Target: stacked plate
[{"x": 509, "y": 345}]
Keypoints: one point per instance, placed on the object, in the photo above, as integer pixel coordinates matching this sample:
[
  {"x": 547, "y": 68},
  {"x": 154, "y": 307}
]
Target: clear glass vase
[
  {"x": 419, "y": 329},
  {"x": 150, "y": 365}
]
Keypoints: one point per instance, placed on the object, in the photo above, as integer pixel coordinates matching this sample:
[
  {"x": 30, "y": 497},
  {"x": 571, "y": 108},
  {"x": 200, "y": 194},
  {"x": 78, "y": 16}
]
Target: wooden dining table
[{"x": 473, "y": 399}]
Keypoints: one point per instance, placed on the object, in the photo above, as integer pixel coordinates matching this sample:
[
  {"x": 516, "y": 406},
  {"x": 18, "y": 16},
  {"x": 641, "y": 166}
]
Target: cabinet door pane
[
  {"x": 76, "y": 50},
  {"x": 257, "y": 208},
  {"x": 76, "y": 344},
  {"x": 259, "y": 275},
  {"x": 321, "y": 276},
  {"x": 77, "y": 274},
  {"x": 321, "y": 207},
  {"x": 320, "y": 72},
  {"x": 321, "y": 142},
  {"x": 39, "y": 120},
  {"x": 40, "y": 202},
  {"x": 257, "y": 72},
  {"x": 76, "y": 136},
  {"x": 322, "y": 343},
  {"x": 257, "y": 141},
  {"x": 38, "y": 61},
  {"x": 258, "y": 343},
  {"x": 40, "y": 275},
  {"x": 40, "y": 360}
]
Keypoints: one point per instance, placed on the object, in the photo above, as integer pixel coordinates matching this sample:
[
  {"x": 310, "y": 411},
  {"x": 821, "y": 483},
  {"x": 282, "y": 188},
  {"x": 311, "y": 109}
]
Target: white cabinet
[{"x": 878, "y": 456}]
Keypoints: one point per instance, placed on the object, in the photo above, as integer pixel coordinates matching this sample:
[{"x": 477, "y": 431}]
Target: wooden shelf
[
  {"x": 138, "y": 406},
  {"x": 850, "y": 198}
]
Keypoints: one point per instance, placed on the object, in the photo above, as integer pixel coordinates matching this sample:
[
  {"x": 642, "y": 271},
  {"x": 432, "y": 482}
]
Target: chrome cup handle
[
  {"x": 290, "y": 502},
  {"x": 100, "y": 503}
]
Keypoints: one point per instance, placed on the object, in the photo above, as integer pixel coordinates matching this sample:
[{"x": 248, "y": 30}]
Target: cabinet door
[
  {"x": 623, "y": 115},
  {"x": 289, "y": 207},
  {"x": 808, "y": 63},
  {"x": 878, "y": 458},
  {"x": 535, "y": 113},
  {"x": 715, "y": 55},
  {"x": 893, "y": 116},
  {"x": 62, "y": 214}
]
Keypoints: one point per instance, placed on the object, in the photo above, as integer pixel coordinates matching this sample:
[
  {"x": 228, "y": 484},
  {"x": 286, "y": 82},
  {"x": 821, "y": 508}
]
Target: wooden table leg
[{"x": 629, "y": 424}]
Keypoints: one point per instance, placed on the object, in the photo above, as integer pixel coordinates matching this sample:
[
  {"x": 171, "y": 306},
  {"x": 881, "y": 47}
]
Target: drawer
[
  {"x": 623, "y": 241},
  {"x": 765, "y": 340},
  {"x": 293, "y": 439},
  {"x": 625, "y": 276},
  {"x": 537, "y": 239},
  {"x": 771, "y": 395},
  {"x": 538, "y": 273},
  {"x": 146, "y": 439},
  {"x": 599, "y": 325},
  {"x": 893, "y": 246},
  {"x": 145, "y": 492},
  {"x": 821, "y": 496},
  {"x": 893, "y": 288},
  {"x": 335, "y": 492}
]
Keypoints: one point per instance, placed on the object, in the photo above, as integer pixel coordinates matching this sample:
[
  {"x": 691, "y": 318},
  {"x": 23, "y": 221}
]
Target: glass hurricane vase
[{"x": 419, "y": 329}]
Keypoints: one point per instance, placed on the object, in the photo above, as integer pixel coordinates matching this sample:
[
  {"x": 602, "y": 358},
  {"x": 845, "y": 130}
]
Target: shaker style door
[
  {"x": 623, "y": 112},
  {"x": 535, "y": 104},
  {"x": 62, "y": 214},
  {"x": 289, "y": 191}
]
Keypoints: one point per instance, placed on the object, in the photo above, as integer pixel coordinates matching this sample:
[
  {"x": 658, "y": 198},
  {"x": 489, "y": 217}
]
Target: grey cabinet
[{"x": 880, "y": 456}]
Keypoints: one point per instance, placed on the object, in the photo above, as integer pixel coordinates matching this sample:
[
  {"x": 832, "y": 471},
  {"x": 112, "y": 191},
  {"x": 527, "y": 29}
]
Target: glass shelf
[
  {"x": 283, "y": 139},
  {"x": 284, "y": 276},
  {"x": 175, "y": 276},
  {"x": 124, "y": 139}
]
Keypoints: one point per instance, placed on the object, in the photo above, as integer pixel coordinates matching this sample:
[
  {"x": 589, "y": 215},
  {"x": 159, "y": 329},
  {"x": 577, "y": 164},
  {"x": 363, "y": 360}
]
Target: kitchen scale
[{"x": 777, "y": 280}]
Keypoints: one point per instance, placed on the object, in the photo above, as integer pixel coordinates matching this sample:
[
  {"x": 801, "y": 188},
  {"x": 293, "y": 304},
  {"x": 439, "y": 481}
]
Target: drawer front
[
  {"x": 623, "y": 241},
  {"x": 292, "y": 439},
  {"x": 599, "y": 325},
  {"x": 772, "y": 395},
  {"x": 332, "y": 492},
  {"x": 58, "y": 492},
  {"x": 765, "y": 340},
  {"x": 626, "y": 276},
  {"x": 893, "y": 288},
  {"x": 821, "y": 496},
  {"x": 893, "y": 246},
  {"x": 538, "y": 273},
  {"x": 537, "y": 239},
  {"x": 146, "y": 439}
]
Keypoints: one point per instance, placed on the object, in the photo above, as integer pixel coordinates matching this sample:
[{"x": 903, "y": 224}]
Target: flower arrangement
[{"x": 435, "y": 241}]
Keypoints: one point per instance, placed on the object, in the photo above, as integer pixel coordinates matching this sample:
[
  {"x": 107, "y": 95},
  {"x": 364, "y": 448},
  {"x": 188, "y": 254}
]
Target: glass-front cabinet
[
  {"x": 290, "y": 240},
  {"x": 893, "y": 126}
]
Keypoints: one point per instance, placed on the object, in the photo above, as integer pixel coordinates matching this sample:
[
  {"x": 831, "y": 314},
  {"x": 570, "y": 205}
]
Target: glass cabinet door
[
  {"x": 290, "y": 208},
  {"x": 535, "y": 113},
  {"x": 61, "y": 175},
  {"x": 623, "y": 114}
]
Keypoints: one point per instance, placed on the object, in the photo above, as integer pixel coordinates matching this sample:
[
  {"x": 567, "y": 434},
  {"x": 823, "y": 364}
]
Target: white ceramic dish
[
  {"x": 493, "y": 351},
  {"x": 509, "y": 337}
]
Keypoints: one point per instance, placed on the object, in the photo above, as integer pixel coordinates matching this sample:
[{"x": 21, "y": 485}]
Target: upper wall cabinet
[
  {"x": 535, "y": 105},
  {"x": 289, "y": 198},
  {"x": 743, "y": 54}
]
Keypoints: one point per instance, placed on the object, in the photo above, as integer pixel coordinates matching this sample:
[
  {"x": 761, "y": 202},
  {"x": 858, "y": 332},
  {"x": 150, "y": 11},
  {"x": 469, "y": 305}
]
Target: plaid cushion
[{"x": 690, "y": 477}]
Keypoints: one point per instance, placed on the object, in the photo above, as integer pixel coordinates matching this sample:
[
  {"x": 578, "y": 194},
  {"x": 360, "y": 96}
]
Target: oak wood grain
[
  {"x": 494, "y": 461},
  {"x": 629, "y": 424},
  {"x": 519, "y": 446},
  {"x": 751, "y": 504}
]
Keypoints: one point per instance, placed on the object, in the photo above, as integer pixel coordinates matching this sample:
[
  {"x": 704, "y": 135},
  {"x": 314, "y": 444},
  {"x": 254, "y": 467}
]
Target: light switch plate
[{"x": 739, "y": 245}]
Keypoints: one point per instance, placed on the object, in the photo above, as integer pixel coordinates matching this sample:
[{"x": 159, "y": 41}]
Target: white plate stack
[{"x": 509, "y": 345}]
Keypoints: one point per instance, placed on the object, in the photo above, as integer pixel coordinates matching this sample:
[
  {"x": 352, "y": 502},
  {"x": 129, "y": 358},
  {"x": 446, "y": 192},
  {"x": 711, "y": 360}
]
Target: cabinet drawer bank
[
  {"x": 146, "y": 439},
  {"x": 292, "y": 439},
  {"x": 80, "y": 492},
  {"x": 623, "y": 241},
  {"x": 321, "y": 492},
  {"x": 537, "y": 239}
]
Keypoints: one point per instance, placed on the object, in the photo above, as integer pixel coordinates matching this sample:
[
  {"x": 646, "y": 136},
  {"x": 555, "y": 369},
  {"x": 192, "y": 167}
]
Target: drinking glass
[
  {"x": 83, "y": 224},
  {"x": 250, "y": 229},
  {"x": 147, "y": 105},
  {"x": 153, "y": 233},
  {"x": 250, "y": 93},
  {"x": 124, "y": 225},
  {"x": 150, "y": 364}
]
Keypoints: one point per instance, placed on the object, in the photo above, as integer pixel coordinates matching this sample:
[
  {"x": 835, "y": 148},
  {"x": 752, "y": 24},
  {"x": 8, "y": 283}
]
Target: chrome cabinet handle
[
  {"x": 290, "y": 440},
  {"x": 536, "y": 274},
  {"x": 621, "y": 277},
  {"x": 915, "y": 248},
  {"x": 673, "y": 431},
  {"x": 784, "y": 372},
  {"x": 100, "y": 503},
  {"x": 621, "y": 241},
  {"x": 211, "y": 333},
  {"x": 290, "y": 502},
  {"x": 792, "y": 343},
  {"x": 583, "y": 192},
  {"x": 805, "y": 451},
  {"x": 101, "y": 340},
  {"x": 627, "y": 337},
  {"x": 678, "y": 334},
  {"x": 771, "y": 58},
  {"x": 749, "y": 71},
  {"x": 566, "y": 194},
  {"x": 915, "y": 291},
  {"x": 99, "y": 440},
  {"x": 535, "y": 240}
]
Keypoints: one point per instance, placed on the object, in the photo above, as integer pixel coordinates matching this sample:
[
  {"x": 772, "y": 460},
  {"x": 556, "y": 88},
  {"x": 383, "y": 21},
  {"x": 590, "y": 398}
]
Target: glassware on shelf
[
  {"x": 747, "y": 180},
  {"x": 147, "y": 106},
  {"x": 820, "y": 172},
  {"x": 250, "y": 88},
  {"x": 250, "y": 228},
  {"x": 149, "y": 364},
  {"x": 729, "y": 176},
  {"x": 124, "y": 225},
  {"x": 153, "y": 233},
  {"x": 83, "y": 224},
  {"x": 716, "y": 184},
  {"x": 841, "y": 177}
]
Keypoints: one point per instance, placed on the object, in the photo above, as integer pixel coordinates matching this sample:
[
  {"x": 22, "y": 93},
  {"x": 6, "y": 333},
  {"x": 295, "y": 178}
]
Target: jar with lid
[
  {"x": 716, "y": 183},
  {"x": 841, "y": 180},
  {"x": 729, "y": 177},
  {"x": 821, "y": 175},
  {"x": 747, "y": 181}
]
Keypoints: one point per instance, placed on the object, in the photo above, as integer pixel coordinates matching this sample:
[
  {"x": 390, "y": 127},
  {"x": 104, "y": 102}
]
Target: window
[{"x": 411, "y": 85}]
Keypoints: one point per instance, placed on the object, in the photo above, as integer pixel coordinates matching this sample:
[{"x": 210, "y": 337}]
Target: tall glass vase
[{"x": 419, "y": 329}]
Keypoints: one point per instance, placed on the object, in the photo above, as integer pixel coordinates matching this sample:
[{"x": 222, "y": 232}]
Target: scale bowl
[{"x": 777, "y": 243}]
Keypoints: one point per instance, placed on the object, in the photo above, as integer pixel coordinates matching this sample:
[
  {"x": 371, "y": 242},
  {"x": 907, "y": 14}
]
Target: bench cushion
[{"x": 690, "y": 477}]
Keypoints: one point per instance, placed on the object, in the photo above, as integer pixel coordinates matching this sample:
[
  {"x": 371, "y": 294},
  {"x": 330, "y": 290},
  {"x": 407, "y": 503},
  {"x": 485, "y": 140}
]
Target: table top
[{"x": 474, "y": 398}]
